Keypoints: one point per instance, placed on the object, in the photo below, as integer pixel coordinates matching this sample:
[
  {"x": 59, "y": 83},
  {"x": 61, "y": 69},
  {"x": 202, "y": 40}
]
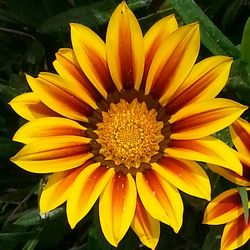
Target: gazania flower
[
  {"x": 125, "y": 121},
  {"x": 227, "y": 207}
]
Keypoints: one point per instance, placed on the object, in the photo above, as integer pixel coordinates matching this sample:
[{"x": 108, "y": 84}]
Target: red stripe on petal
[
  {"x": 156, "y": 187},
  {"x": 233, "y": 233},
  {"x": 197, "y": 120},
  {"x": 101, "y": 68},
  {"x": 75, "y": 71},
  {"x": 242, "y": 133}
]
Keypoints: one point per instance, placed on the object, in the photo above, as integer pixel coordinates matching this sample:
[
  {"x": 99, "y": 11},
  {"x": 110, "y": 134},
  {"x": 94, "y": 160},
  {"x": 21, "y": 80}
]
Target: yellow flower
[
  {"x": 126, "y": 121},
  {"x": 227, "y": 207}
]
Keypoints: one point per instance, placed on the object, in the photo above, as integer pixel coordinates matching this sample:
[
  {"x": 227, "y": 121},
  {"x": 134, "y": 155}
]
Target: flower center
[{"x": 129, "y": 134}]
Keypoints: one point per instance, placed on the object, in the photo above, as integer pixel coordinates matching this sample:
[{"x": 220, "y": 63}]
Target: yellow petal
[
  {"x": 30, "y": 107},
  {"x": 204, "y": 118},
  {"x": 205, "y": 81},
  {"x": 47, "y": 127},
  {"x": 240, "y": 134},
  {"x": 208, "y": 149},
  {"x": 68, "y": 68},
  {"x": 155, "y": 37},
  {"x": 53, "y": 154},
  {"x": 224, "y": 208},
  {"x": 186, "y": 175},
  {"x": 56, "y": 94},
  {"x": 90, "y": 52},
  {"x": 160, "y": 199},
  {"x": 117, "y": 207},
  {"x": 57, "y": 189},
  {"x": 173, "y": 62},
  {"x": 235, "y": 234},
  {"x": 242, "y": 180},
  {"x": 125, "y": 52},
  {"x": 145, "y": 226},
  {"x": 86, "y": 190}
]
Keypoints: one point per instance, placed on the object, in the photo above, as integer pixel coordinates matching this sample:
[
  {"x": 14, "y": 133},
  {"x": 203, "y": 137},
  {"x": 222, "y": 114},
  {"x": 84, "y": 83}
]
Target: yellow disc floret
[{"x": 129, "y": 133}]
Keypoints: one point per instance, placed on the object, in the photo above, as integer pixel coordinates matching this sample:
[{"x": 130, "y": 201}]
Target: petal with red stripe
[
  {"x": 53, "y": 154},
  {"x": 59, "y": 96},
  {"x": 125, "y": 52},
  {"x": 205, "y": 81},
  {"x": 90, "y": 52},
  {"x": 154, "y": 38},
  {"x": 86, "y": 190},
  {"x": 208, "y": 149},
  {"x": 160, "y": 199},
  {"x": 242, "y": 180},
  {"x": 240, "y": 134},
  {"x": 145, "y": 226},
  {"x": 117, "y": 207},
  {"x": 235, "y": 234},
  {"x": 204, "y": 118},
  {"x": 30, "y": 107},
  {"x": 68, "y": 68},
  {"x": 58, "y": 187},
  {"x": 173, "y": 62},
  {"x": 48, "y": 127},
  {"x": 187, "y": 176},
  {"x": 224, "y": 208}
]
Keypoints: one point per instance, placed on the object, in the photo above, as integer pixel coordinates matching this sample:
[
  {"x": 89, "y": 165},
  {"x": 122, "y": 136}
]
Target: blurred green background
[{"x": 31, "y": 31}]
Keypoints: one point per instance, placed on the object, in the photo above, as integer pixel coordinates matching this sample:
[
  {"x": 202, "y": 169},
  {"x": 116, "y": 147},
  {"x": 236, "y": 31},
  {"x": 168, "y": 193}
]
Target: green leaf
[
  {"x": 32, "y": 243},
  {"x": 244, "y": 200},
  {"x": 92, "y": 15},
  {"x": 213, "y": 238},
  {"x": 245, "y": 43},
  {"x": 31, "y": 218},
  {"x": 211, "y": 36}
]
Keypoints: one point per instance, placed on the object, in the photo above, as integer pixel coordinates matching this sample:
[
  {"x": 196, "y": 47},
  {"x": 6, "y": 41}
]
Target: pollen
[{"x": 129, "y": 133}]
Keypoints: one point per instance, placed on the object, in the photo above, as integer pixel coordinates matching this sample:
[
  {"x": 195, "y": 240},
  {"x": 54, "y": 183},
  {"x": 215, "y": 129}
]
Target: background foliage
[{"x": 30, "y": 34}]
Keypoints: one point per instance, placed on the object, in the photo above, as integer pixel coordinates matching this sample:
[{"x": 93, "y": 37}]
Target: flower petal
[
  {"x": 90, "y": 52},
  {"x": 160, "y": 199},
  {"x": 235, "y": 234},
  {"x": 55, "y": 93},
  {"x": 230, "y": 175},
  {"x": 208, "y": 149},
  {"x": 145, "y": 226},
  {"x": 30, "y": 107},
  {"x": 68, "y": 68},
  {"x": 125, "y": 52},
  {"x": 86, "y": 190},
  {"x": 205, "y": 81},
  {"x": 53, "y": 154},
  {"x": 48, "y": 127},
  {"x": 173, "y": 62},
  {"x": 117, "y": 207},
  {"x": 240, "y": 134},
  {"x": 154, "y": 38},
  {"x": 58, "y": 187},
  {"x": 186, "y": 175},
  {"x": 223, "y": 208},
  {"x": 204, "y": 118}
]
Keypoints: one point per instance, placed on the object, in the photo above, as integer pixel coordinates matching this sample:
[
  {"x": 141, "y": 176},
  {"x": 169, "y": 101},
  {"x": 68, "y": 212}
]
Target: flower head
[{"x": 125, "y": 121}]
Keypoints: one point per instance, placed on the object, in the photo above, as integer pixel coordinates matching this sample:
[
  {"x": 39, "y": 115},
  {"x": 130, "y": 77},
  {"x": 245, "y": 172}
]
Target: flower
[
  {"x": 227, "y": 207},
  {"x": 125, "y": 121}
]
